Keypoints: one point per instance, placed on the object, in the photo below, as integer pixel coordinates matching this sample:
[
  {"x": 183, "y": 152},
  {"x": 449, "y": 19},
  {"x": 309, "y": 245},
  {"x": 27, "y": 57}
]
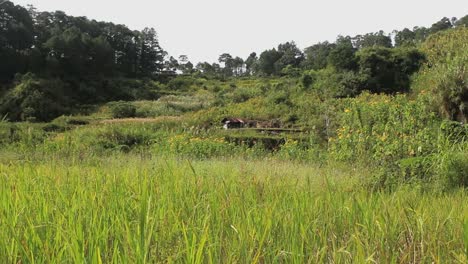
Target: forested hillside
[{"x": 54, "y": 64}]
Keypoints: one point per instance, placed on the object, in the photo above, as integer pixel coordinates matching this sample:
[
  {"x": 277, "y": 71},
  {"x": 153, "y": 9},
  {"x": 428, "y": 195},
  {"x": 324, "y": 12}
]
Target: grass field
[{"x": 134, "y": 208}]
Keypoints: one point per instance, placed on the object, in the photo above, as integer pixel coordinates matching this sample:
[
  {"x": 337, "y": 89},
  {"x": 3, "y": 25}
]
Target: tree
[
  {"x": 441, "y": 25},
  {"x": 405, "y": 38},
  {"x": 171, "y": 65},
  {"x": 291, "y": 56},
  {"x": 206, "y": 69},
  {"x": 238, "y": 66},
  {"x": 124, "y": 43},
  {"x": 444, "y": 76},
  {"x": 316, "y": 56},
  {"x": 420, "y": 34},
  {"x": 342, "y": 55},
  {"x": 102, "y": 56},
  {"x": 388, "y": 70},
  {"x": 185, "y": 66},
  {"x": 150, "y": 54},
  {"x": 228, "y": 64},
  {"x": 462, "y": 22},
  {"x": 250, "y": 63},
  {"x": 16, "y": 39},
  {"x": 370, "y": 40},
  {"x": 266, "y": 62},
  {"x": 67, "y": 52}
]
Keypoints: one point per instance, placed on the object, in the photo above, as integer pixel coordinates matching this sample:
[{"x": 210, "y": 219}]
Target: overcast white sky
[{"x": 203, "y": 29}]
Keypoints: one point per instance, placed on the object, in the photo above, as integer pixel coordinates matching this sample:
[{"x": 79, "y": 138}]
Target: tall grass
[{"x": 131, "y": 209}]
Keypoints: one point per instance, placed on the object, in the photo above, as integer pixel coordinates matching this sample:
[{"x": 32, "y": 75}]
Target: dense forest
[{"x": 53, "y": 63}]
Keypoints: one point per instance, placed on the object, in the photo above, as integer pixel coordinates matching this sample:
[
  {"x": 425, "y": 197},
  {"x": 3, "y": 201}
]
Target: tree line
[
  {"x": 288, "y": 58},
  {"x": 58, "y": 45},
  {"x": 51, "y": 62}
]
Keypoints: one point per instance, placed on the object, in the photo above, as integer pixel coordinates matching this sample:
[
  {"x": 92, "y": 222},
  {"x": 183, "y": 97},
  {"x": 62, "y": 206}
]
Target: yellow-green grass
[{"x": 134, "y": 209}]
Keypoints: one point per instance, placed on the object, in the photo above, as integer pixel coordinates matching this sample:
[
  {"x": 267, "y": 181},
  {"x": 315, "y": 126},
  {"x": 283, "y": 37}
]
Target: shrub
[
  {"x": 308, "y": 79},
  {"x": 332, "y": 84},
  {"x": 77, "y": 122},
  {"x": 34, "y": 99},
  {"x": 454, "y": 170},
  {"x": 123, "y": 110},
  {"x": 53, "y": 128},
  {"x": 119, "y": 138},
  {"x": 384, "y": 129},
  {"x": 445, "y": 75},
  {"x": 243, "y": 94},
  {"x": 201, "y": 146},
  {"x": 9, "y": 133},
  {"x": 181, "y": 83},
  {"x": 71, "y": 121},
  {"x": 454, "y": 131},
  {"x": 416, "y": 168}
]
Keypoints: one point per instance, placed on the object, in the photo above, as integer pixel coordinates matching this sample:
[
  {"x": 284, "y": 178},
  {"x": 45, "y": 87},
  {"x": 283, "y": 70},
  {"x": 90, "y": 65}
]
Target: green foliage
[
  {"x": 53, "y": 128},
  {"x": 454, "y": 170},
  {"x": 385, "y": 129},
  {"x": 34, "y": 99},
  {"x": 454, "y": 131},
  {"x": 16, "y": 38},
  {"x": 445, "y": 75},
  {"x": 372, "y": 40},
  {"x": 405, "y": 38},
  {"x": 441, "y": 25},
  {"x": 316, "y": 55},
  {"x": 462, "y": 22},
  {"x": 342, "y": 55},
  {"x": 202, "y": 147},
  {"x": 404, "y": 139},
  {"x": 123, "y": 139},
  {"x": 122, "y": 110},
  {"x": 243, "y": 94},
  {"x": 168, "y": 105},
  {"x": 181, "y": 83},
  {"x": 330, "y": 83},
  {"x": 21, "y": 136},
  {"x": 307, "y": 79},
  {"x": 414, "y": 170},
  {"x": 388, "y": 70},
  {"x": 266, "y": 62}
]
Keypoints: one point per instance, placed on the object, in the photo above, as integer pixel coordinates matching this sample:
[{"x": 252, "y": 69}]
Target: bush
[
  {"x": 53, "y": 128},
  {"x": 34, "y": 99},
  {"x": 454, "y": 170},
  {"x": 445, "y": 75},
  {"x": 308, "y": 79},
  {"x": 332, "y": 84},
  {"x": 124, "y": 139},
  {"x": 201, "y": 147},
  {"x": 123, "y": 110},
  {"x": 181, "y": 83},
  {"x": 454, "y": 131},
  {"x": 384, "y": 129},
  {"x": 416, "y": 168}
]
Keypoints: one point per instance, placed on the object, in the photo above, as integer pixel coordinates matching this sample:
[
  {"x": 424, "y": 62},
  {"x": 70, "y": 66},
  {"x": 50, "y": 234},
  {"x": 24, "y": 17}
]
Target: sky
[{"x": 204, "y": 29}]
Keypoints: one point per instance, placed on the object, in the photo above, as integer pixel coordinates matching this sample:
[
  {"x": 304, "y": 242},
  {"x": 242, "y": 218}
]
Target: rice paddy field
[{"x": 135, "y": 208}]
